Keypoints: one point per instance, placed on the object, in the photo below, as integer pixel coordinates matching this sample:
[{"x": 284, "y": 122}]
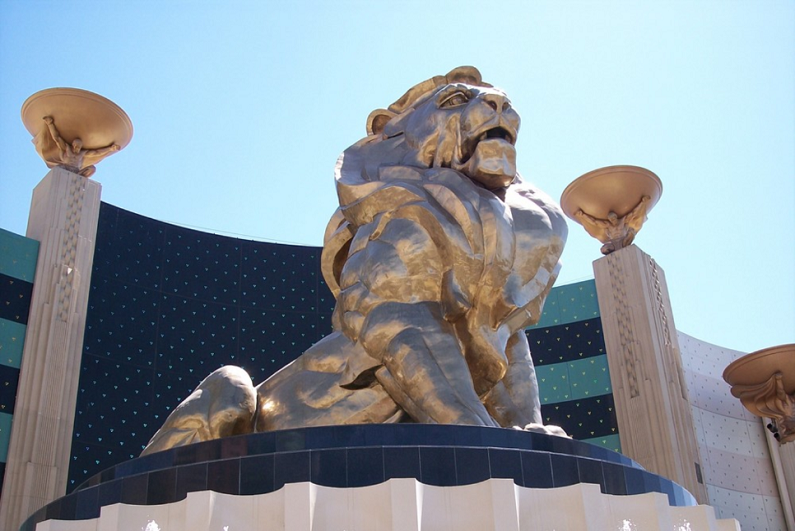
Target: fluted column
[
  {"x": 63, "y": 218},
  {"x": 655, "y": 420}
]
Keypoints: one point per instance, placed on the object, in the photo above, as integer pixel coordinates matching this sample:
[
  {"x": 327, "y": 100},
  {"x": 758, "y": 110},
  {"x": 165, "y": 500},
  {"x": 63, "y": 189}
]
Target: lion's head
[
  {"x": 455, "y": 132},
  {"x": 455, "y": 121}
]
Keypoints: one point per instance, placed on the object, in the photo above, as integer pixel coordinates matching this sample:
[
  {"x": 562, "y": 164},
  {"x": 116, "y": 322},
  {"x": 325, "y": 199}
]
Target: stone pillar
[
  {"x": 63, "y": 218},
  {"x": 655, "y": 420},
  {"x": 782, "y": 457}
]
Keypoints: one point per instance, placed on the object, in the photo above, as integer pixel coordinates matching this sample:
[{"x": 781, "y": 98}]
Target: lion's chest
[
  {"x": 518, "y": 234},
  {"x": 532, "y": 238},
  {"x": 520, "y": 246}
]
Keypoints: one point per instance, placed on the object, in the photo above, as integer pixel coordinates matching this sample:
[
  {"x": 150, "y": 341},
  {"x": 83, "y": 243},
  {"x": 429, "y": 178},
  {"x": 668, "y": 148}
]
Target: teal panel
[
  {"x": 553, "y": 383},
  {"x": 569, "y": 304},
  {"x": 5, "y": 435},
  {"x": 550, "y": 316},
  {"x": 589, "y": 377},
  {"x": 586, "y": 378},
  {"x": 578, "y": 302},
  {"x": 18, "y": 256},
  {"x": 12, "y": 339},
  {"x": 611, "y": 442}
]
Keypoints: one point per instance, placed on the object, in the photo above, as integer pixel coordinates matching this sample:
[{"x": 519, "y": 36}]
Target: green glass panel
[
  {"x": 12, "y": 338},
  {"x": 5, "y": 435},
  {"x": 18, "y": 256},
  {"x": 589, "y": 377},
  {"x": 553, "y": 383},
  {"x": 569, "y": 304},
  {"x": 551, "y": 314}
]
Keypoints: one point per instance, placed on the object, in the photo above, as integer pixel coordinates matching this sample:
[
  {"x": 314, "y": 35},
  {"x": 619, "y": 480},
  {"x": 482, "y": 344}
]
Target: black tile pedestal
[{"x": 357, "y": 456}]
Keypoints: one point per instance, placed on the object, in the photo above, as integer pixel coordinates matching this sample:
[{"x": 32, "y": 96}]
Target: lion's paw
[{"x": 549, "y": 429}]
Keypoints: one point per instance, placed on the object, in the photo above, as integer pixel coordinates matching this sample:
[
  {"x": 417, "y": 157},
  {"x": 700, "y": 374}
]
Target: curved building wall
[
  {"x": 737, "y": 467},
  {"x": 169, "y": 305}
]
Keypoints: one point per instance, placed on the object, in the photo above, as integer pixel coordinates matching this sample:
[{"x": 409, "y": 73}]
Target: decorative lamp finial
[
  {"x": 611, "y": 203},
  {"x": 75, "y": 129}
]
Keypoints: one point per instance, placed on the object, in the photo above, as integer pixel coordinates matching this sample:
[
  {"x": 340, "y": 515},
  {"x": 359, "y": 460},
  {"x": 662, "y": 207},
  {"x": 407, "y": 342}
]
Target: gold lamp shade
[
  {"x": 611, "y": 203},
  {"x": 616, "y": 189},
  {"x": 764, "y": 381},
  {"x": 76, "y": 114},
  {"x": 759, "y": 366}
]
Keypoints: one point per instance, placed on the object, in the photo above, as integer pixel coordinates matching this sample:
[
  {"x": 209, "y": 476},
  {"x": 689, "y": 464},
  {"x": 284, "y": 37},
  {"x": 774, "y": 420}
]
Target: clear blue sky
[{"x": 241, "y": 109}]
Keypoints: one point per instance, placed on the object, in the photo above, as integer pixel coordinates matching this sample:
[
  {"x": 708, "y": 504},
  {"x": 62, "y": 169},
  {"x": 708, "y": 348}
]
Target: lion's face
[{"x": 471, "y": 129}]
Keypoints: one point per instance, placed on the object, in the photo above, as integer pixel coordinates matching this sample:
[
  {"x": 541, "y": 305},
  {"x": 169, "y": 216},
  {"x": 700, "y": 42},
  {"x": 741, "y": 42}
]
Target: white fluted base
[{"x": 408, "y": 505}]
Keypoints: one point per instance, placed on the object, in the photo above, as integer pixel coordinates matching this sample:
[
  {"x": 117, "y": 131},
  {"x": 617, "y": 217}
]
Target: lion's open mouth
[{"x": 499, "y": 133}]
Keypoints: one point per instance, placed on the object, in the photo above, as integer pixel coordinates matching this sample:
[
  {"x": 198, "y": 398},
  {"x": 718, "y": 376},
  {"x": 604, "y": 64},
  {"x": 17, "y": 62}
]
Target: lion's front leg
[
  {"x": 424, "y": 369},
  {"x": 514, "y": 401}
]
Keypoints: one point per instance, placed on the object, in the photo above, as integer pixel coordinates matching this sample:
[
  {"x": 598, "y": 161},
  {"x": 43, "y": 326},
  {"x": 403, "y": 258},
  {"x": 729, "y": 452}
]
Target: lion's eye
[{"x": 455, "y": 99}]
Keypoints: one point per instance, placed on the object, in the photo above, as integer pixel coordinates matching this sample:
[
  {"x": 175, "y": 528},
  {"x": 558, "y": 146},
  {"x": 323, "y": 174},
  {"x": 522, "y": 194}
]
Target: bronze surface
[
  {"x": 759, "y": 366},
  {"x": 439, "y": 256},
  {"x": 611, "y": 203},
  {"x": 77, "y": 114},
  {"x": 611, "y": 189},
  {"x": 764, "y": 381}
]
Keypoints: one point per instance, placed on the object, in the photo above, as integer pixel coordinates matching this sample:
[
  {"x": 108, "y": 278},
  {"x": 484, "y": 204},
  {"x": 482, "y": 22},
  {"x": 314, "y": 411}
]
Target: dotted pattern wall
[
  {"x": 18, "y": 257},
  {"x": 734, "y": 453},
  {"x": 571, "y": 366},
  {"x": 169, "y": 305}
]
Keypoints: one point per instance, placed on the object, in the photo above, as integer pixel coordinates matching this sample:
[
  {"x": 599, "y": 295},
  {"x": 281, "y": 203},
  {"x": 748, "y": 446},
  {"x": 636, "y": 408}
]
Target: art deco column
[
  {"x": 63, "y": 218},
  {"x": 655, "y": 421}
]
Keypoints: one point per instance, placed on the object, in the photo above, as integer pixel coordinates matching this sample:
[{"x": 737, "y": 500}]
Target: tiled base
[{"x": 359, "y": 456}]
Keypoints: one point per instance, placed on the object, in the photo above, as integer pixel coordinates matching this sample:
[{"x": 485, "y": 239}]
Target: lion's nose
[{"x": 497, "y": 102}]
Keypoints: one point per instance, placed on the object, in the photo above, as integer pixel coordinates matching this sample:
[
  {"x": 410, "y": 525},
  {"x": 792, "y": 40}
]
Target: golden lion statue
[{"x": 439, "y": 256}]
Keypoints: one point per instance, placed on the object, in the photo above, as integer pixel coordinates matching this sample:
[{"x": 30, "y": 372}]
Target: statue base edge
[{"x": 359, "y": 456}]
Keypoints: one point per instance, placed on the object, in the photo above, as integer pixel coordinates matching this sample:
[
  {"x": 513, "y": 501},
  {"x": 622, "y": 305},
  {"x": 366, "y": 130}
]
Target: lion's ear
[{"x": 378, "y": 120}]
